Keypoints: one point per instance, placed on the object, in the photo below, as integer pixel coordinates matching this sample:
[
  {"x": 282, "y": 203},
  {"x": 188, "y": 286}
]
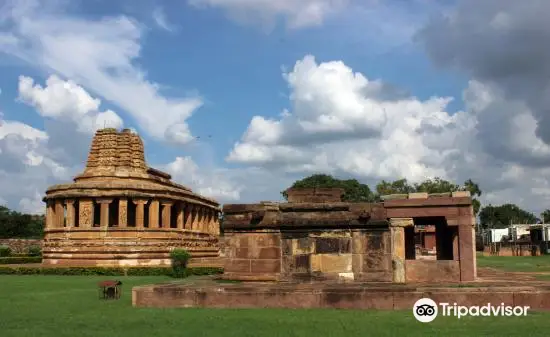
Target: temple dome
[
  {"x": 114, "y": 153},
  {"x": 116, "y": 165}
]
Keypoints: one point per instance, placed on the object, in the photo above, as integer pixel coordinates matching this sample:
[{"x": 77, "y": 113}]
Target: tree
[
  {"x": 400, "y": 186},
  {"x": 17, "y": 225},
  {"x": 435, "y": 185},
  {"x": 545, "y": 216},
  {"x": 502, "y": 216},
  {"x": 474, "y": 189},
  {"x": 353, "y": 190}
]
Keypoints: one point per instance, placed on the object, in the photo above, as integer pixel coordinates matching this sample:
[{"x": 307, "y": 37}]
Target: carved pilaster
[
  {"x": 166, "y": 213},
  {"x": 122, "y": 212},
  {"x": 196, "y": 211},
  {"x": 69, "y": 203},
  {"x": 86, "y": 213},
  {"x": 201, "y": 216},
  {"x": 180, "y": 215},
  {"x": 216, "y": 223},
  {"x": 104, "y": 212},
  {"x": 208, "y": 222},
  {"x": 154, "y": 214},
  {"x": 140, "y": 212},
  {"x": 189, "y": 216},
  {"x": 59, "y": 214},
  {"x": 50, "y": 214}
]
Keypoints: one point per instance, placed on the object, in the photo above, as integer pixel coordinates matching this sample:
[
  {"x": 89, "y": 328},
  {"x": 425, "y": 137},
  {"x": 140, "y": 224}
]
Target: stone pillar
[
  {"x": 140, "y": 212},
  {"x": 397, "y": 229},
  {"x": 195, "y": 217},
  {"x": 104, "y": 212},
  {"x": 216, "y": 223},
  {"x": 154, "y": 214},
  {"x": 166, "y": 213},
  {"x": 122, "y": 212},
  {"x": 456, "y": 250},
  {"x": 189, "y": 216},
  {"x": 50, "y": 214},
  {"x": 59, "y": 214},
  {"x": 69, "y": 203},
  {"x": 202, "y": 219},
  {"x": 86, "y": 213},
  {"x": 467, "y": 254},
  {"x": 210, "y": 222},
  {"x": 180, "y": 215}
]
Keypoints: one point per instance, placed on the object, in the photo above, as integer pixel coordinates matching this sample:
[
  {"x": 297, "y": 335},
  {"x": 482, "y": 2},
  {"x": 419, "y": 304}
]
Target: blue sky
[{"x": 210, "y": 66}]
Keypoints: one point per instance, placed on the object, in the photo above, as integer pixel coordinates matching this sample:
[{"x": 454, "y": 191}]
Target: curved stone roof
[{"x": 116, "y": 166}]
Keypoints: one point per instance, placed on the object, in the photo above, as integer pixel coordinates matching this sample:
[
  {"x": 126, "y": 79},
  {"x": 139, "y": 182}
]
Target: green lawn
[
  {"x": 69, "y": 306},
  {"x": 516, "y": 263}
]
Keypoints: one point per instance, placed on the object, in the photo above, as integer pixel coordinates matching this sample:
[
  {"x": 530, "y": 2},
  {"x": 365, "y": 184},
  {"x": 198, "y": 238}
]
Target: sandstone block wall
[
  {"x": 305, "y": 255},
  {"x": 432, "y": 271},
  {"x": 254, "y": 256},
  {"x": 20, "y": 246}
]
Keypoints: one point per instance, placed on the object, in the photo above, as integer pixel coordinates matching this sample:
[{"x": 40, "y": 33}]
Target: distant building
[
  {"x": 516, "y": 231},
  {"x": 425, "y": 237},
  {"x": 496, "y": 234}
]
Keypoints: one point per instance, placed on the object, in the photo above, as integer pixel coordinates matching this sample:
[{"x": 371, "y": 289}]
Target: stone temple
[
  {"x": 120, "y": 212},
  {"x": 317, "y": 251},
  {"x": 316, "y": 236}
]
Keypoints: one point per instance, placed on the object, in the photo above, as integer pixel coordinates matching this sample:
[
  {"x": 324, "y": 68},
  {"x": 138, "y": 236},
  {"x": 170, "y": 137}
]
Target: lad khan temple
[{"x": 312, "y": 251}]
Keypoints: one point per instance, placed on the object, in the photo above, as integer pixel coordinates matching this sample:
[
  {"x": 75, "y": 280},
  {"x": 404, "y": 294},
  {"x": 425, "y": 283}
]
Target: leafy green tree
[
  {"x": 502, "y": 216},
  {"x": 475, "y": 191},
  {"x": 353, "y": 190},
  {"x": 435, "y": 185},
  {"x": 545, "y": 216},
  {"x": 17, "y": 225},
  {"x": 400, "y": 186}
]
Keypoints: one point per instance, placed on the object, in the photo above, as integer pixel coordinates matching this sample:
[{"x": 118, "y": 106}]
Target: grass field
[
  {"x": 516, "y": 263},
  {"x": 69, "y": 306}
]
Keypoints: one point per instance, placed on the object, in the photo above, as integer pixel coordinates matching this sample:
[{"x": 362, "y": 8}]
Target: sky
[{"x": 237, "y": 99}]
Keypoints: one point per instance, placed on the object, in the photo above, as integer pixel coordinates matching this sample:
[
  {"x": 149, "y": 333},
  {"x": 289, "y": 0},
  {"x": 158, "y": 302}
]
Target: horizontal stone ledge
[
  {"x": 312, "y": 224},
  {"x": 240, "y": 296},
  {"x": 121, "y": 229},
  {"x": 130, "y": 192},
  {"x": 114, "y": 257},
  {"x": 430, "y": 202},
  {"x": 229, "y": 209},
  {"x": 112, "y": 252},
  {"x": 309, "y": 206}
]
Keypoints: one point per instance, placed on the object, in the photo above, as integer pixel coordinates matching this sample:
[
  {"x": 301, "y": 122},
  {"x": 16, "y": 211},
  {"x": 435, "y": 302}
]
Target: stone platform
[{"x": 376, "y": 296}]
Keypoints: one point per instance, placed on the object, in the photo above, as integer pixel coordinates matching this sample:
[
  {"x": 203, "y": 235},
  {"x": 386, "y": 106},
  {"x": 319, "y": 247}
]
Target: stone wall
[
  {"x": 252, "y": 255},
  {"x": 308, "y": 255},
  {"x": 432, "y": 270},
  {"x": 337, "y": 254},
  {"x": 20, "y": 246}
]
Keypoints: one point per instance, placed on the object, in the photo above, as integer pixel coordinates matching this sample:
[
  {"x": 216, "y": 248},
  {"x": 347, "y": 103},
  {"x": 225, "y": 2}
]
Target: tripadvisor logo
[{"x": 426, "y": 310}]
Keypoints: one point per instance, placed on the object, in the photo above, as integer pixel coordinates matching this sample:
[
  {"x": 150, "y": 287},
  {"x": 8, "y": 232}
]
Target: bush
[
  {"x": 20, "y": 259},
  {"x": 106, "y": 271},
  {"x": 180, "y": 258},
  {"x": 5, "y": 251},
  {"x": 34, "y": 251}
]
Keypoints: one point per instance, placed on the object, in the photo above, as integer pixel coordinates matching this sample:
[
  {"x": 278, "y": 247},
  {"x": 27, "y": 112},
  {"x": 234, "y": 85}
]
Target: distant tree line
[
  {"x": 490, "y": 216},
  {"x": 19, "y": 225}
]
